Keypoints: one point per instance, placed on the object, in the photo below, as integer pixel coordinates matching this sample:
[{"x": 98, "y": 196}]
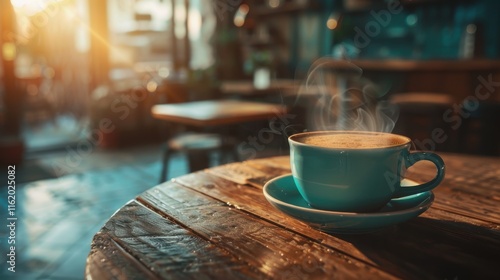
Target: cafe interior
[{"x": 102, "y": 100}]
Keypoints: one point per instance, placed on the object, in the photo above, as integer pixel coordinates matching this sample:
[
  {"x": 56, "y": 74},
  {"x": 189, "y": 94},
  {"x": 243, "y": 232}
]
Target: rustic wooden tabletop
[
  {"x": 217, "y": 224},
  {"x": 216, "y": 112}
]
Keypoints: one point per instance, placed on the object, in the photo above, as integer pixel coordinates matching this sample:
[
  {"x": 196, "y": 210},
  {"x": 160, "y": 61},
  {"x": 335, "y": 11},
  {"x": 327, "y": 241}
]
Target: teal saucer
[{"x": 282, "y": 193}]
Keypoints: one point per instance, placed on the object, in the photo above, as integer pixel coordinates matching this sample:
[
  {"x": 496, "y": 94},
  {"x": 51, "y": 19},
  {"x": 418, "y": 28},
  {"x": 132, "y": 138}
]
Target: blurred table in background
[
  {"x": 200, "y": 116},
  {"x": 216, "y": 112},
  {"x": 248, "y": 89}
]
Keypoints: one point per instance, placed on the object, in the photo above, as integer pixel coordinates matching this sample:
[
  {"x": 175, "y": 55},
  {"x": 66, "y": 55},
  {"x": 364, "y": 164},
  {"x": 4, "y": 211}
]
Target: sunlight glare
[
  {"x": 31, "y": 7},
  {"x": 19, "y": 3}
]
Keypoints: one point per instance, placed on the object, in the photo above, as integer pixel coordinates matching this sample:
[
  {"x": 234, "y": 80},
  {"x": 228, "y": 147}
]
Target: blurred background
[
  {"x": 78, "y": 79},
  {"x": 65, "y": 62}
]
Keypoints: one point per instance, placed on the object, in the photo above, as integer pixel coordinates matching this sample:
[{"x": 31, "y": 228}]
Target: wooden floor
[{"x": 58, "y": 217}]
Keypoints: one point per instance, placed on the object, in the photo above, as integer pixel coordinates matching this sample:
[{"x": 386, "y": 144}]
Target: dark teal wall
[{"x": 430, "y": 30}]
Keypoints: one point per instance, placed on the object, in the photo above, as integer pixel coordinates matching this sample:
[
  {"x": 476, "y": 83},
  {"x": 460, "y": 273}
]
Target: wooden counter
[{"x": 428, "y": 65}]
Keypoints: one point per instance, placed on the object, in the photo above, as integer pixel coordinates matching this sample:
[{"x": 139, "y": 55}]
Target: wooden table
[
  {"x": 215, "y": 115},
  {"x": 282, "y": 88},
  {"x": 246, "y": 88},
  {"x": 216, "y": 224},
  {"x": 216, "y": 112}
]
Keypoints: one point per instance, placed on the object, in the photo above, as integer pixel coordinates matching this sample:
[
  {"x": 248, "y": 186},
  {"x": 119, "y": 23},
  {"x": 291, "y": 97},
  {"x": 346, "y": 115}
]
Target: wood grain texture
[
  {"x": 265, "y": 246},
  {"x": 108, "y": 260},
  {"x": 216, "y": 224},
  {"x": 405, "y": 258},
  {"x": 139, "y": 243},
  {"x": 471, "y": 187}
]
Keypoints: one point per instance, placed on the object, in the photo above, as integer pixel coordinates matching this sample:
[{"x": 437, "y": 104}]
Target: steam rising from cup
[{"x": 347, "y": 100}]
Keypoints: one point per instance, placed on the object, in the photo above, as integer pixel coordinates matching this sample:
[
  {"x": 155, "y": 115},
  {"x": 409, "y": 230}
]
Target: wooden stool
[
  {"x": 421, "y": 113},
  {"x": 197, "y": 147},
  {"x": 480, "y": 130}
]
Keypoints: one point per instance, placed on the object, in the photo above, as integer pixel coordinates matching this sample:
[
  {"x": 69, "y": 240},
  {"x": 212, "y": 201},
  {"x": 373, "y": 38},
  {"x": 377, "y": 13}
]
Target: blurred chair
[
  {"x": 479, "y": 132},
  {"x": 197, "y": 146},
  {"x": 421, "y": 113}
]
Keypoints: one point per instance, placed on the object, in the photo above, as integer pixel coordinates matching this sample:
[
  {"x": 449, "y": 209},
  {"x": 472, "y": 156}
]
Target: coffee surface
[{"x": 353, "y": 141}]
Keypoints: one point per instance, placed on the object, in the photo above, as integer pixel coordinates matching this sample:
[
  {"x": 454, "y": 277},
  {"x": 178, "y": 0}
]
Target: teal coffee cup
[{"x": 355, "y": 171}]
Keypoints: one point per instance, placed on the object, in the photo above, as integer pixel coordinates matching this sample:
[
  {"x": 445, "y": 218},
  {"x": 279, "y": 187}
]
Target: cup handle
[{"x": 413, "y": 158}]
